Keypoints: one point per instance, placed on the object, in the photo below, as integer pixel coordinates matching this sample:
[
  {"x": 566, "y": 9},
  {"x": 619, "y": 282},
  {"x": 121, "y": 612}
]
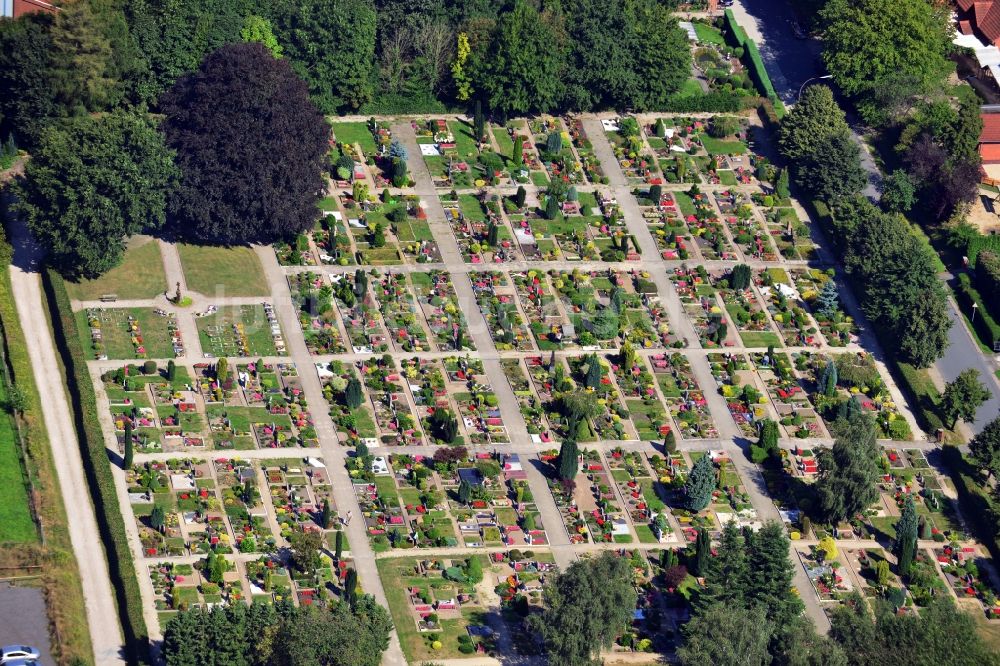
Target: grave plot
[
  {"x": 668, "y": 475},
  {"x": 497, "y": 301},
  {"x": 478, "y": 406},
  {"x": 377, "y": 500},
  {"x": 318, "y": 317},
  {"x": 787, "y": 308},
  {"x": 412, "y": 231},
  {"x": 852, "y": 377},
  {"x": 697, "y": 295},
  {"x": 518, "y": 515},
  {"x": 676, "y": 155},
  {"x": 480, "y": 229},
  {"x": 454, "y": 158},
  {"x": 474, "y": 488},
  {"x": 182, "y": 424},
  {"x": 554, "y": 145},
  {"x": 127, "y": 333},
  {"x": 438, "y": 606},
  {"x": 436, "y": 295},
  {"x": 234, "y": 426},
  {"x": 746, "y": 225},
  {"x": 744, "y": 393},
  {"x": 268, "y": 580},
  {"x": 426, "y": 382},
  {"x": 531, "y": 406},
  {"x": 786, "y": 394},
  {"x": 240, "y": 489},
  {"x": 394, "y": 417},
  {"x": 703, "y": 223},
  {"x": 370, "y": 227},
  {"x": 965, "y": 569},
  {"x": 637, "y": 161},
  {"x": 638, "y": 387},
  {"x": 209, "y": 582},
  {"x": 819, "y": 290},
  {"x": 274, "y": 393},
  {"x": 400, "y": 313},
  {"x": 418, "y": 489},
  {"x": 598, "y": 503},
  {"x": 161, "y": 527},
  {"x": 866, "y": 566},
  {"x": 132, "y": 396},
  {"x": 241, "y": 330},
  {"x": 297, "y": 252},
  {"x": 563, "y": 491},
  {"x": 639, "y": 492},
  {"x": 546, "y": 318},
  {"x": 299, "y": 490},
  {"x": 661, "y": 214},
  {"x": 584, "y": 149},
  {"x": 602, "y": 304},
  {"x": 745, "y": 310},
  {"x": 360, "y": 312},
  {"x": 729, "y": 501},
  {"x": 685, "y": 399},
  {"x": 938, "y": 519},
  {"x": 350, "y": 408},
  {"x": 830, "y": 579},
  {"x": 610, "y": 420},
  {"x": 789, "y": 234},
  {"x": 333, "y": 240},
  {"x": 579, "y": 226}
]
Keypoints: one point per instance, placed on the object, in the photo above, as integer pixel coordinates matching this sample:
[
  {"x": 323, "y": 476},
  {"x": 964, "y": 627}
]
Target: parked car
[
  {"x": 12, "y": 654},
  {"x": 22, "y": 662}
]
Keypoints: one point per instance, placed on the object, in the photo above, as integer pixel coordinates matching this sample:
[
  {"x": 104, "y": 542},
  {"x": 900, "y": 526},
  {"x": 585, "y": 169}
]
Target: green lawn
[
  {"x": 709, "y": 34},
  {"x": 116, "y": 337},
  {"x": 355, "y": 133},
  {"x": 223, "y": 271},
  {"x": 16, "y": 524},
  {"x": 721, "y": 147},
  {"x": 504, "y": 142},
  {"x": 140, "y": 275},
  {"x": 471, "y": 207},
  {"x": 760, "y": 339},
  {"x": 684, "y": 203},
  {"x": 691, "y": 87},
  {"x": 465, "y": 142}
]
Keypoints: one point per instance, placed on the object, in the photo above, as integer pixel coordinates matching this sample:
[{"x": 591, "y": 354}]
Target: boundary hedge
[
  {"x": 977, "y": 507},
  {"x": 986, "y": 328},
  {"x": 753, "y": 61},
  {"x": 97, "y": 467}
]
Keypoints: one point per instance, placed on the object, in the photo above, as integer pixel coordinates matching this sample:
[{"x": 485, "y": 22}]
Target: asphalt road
[{"x": 23, "y": 620}]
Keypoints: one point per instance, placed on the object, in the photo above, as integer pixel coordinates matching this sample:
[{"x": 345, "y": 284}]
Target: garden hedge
[
  {"x": 97, "y": 467},
  {"x": 988, "y": 279},
  {"x": 985, "y": 326},
  {"x": 712, "y": 102},
  {"x": 751, "y": 58},
  {"x": 979, "y": 243}
]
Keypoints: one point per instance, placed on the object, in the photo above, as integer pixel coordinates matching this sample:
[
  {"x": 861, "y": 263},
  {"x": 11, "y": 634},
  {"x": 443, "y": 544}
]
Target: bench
[{"x": 109, "y": 298}]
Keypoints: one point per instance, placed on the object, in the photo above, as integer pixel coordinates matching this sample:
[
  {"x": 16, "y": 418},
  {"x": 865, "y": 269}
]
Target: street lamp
[
  {"x": 815, "y": 78},
  {"x": 975, "y": 306}
]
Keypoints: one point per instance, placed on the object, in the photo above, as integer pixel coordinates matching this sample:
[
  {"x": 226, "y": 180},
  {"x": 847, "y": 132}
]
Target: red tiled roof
[
  {"x": 965, "y": 5},
  {"x": 991, "y": 128},
  {"x": 990, "y": 153},
  {"x": 988, "y": 21},
  {"x": 965, "y": 27}
]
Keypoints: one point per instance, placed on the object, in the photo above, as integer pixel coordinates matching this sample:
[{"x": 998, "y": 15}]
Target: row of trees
[
  {"x": 894, "y": 270},
  {"x": 516, "y": 57},
  {"x": 279, "y": 634}
]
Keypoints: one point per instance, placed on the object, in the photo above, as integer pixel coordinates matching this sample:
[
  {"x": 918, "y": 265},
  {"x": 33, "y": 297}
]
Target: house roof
[
  {"x": 990, "y": 153},
  {"x": 991, "y": 128},
  {"x": 965, "y": 5},
  {"x": 965, "y": 27},
  {"x": 988, "y": 20}
]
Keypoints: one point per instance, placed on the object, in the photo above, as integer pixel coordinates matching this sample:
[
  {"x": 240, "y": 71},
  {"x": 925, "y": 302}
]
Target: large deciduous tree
[
  {"x": 815, "y": 117},
  {"x": 729, "y": 635},
  {"x": 871, "y": 46},
  {"x": 251, "y": 147},
  {"x": 523, "y": 71},
  {"x": 963, "y": 396},
  {"x": 90, "y": 184},
  {"x": 985, "y": 448},
  {"x": 586, "y": 607},
  {"x": 332, "y": 47},
  {"x": 834, "y": 170},
  {"x": 849, "y": 472}
]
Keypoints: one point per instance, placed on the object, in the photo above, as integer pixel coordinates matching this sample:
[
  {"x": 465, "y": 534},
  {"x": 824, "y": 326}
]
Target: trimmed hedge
[
  {"x": 979, "y": 243},
  {"x": 98, "y": 469},
  {"x": 988, "y": 279},
  {"x": 712, "y": 102},
  {"x": 985, "y": 326},
  {"x": 737, "y": 36}
]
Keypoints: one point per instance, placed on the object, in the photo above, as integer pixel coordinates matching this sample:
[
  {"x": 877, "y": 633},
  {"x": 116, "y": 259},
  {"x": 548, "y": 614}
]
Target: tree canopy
[
  {"x": 586, "y": 607},
  {"x": 91, "y": 183},
  {"x": 251, "y": 147},
  {"x": 849, "y": 472}
]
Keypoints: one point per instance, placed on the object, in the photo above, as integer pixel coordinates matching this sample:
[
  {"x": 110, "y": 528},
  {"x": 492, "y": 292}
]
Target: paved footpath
[
  {"x": 102, "y": 612},
  {"x": 729, "y": 433}
]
